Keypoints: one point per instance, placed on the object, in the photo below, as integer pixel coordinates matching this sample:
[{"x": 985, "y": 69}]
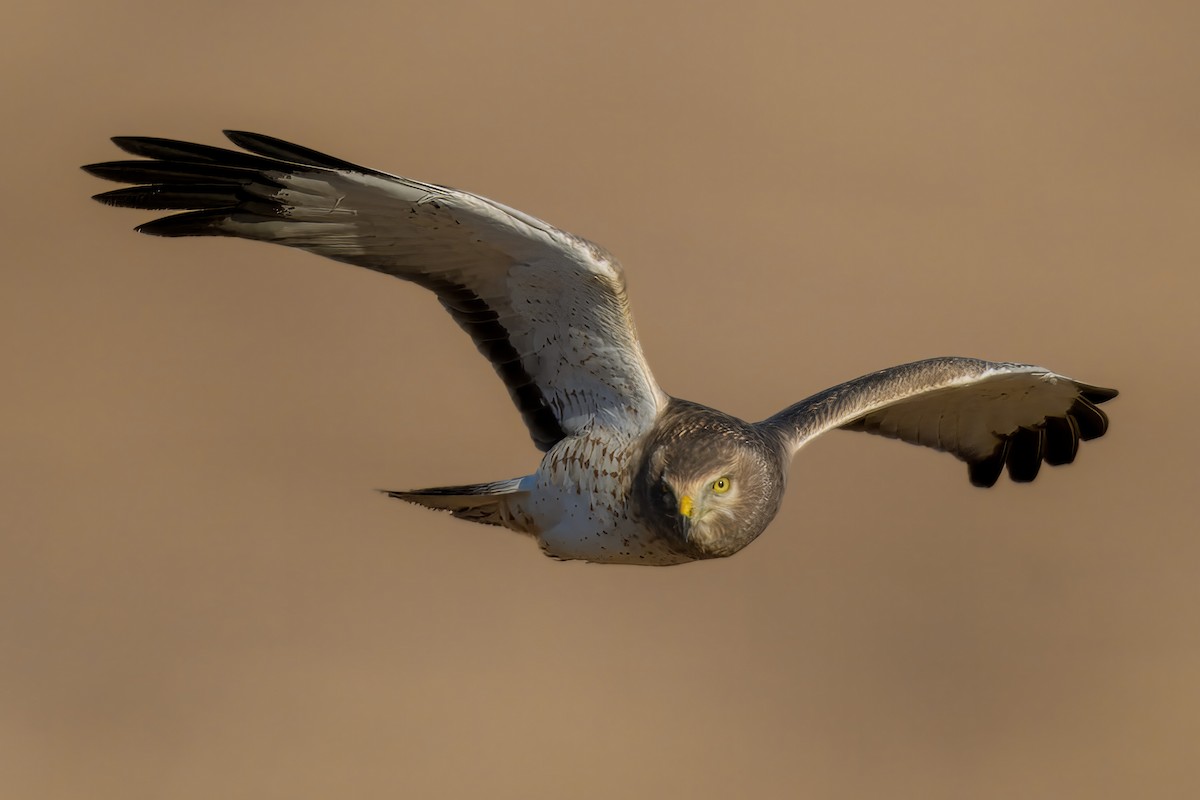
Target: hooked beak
[{"x": 685, "y": 506}]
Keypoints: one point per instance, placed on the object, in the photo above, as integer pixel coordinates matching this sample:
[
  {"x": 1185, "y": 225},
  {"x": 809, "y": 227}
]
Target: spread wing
[
  {"x": 987, "y": 414},
  {"x": 546, "y": 308}
]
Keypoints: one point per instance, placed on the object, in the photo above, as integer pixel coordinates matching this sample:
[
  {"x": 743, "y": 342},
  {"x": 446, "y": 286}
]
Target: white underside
[{"x": 579, "y": 504}]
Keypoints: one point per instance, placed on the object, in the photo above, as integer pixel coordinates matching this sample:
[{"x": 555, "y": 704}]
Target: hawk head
[{"x": 708, "y": 483}]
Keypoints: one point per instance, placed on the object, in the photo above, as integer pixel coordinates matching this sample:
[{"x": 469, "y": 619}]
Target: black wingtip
[
  {"x": 240, "y": 137},
  {"x": 173, "y": 172},
  {"x": 161, "y": 227},
  {"x": 105, "y": 197},
  {"x": 1026, "y": 449},
  {"x": 130, "y": 144},
  {"x": 162, "y": 149},
  {"x": 269, "y": 146},
  {"x": 1098, "y": 394},
  {"x": 102, "y": 170},
  {"x": 158, "y": 197},
  {"x": 1093, "y": 423},
  {"x": 192, "y": 223},
  {"x": 985, "y": 472},
  {"x": 1055, "y": 441},
  {"x": 1062, "y": 440}
]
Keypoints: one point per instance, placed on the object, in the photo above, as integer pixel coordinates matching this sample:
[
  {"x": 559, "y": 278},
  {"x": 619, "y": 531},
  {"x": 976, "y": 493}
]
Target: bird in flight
[{"x": 629, "y": 473}]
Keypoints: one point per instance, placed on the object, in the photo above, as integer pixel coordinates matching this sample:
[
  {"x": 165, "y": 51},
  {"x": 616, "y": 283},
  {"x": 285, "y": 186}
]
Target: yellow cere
[
  {"x": 685, "y": 506},
  {"x": 721, "y": 485}
]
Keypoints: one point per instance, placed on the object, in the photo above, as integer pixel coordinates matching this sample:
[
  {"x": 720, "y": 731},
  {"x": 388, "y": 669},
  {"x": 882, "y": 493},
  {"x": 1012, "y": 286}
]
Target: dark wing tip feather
[
  {"x": 193, "y": 223},
  {"x": 1055, "y": 441},
  {"x": 190, "y": 152},
  {"x": 211, "y": 184},
  {"x": 271, "y": 147},
  {"x": 1097, "y": 394},
  {"x": 157, "y": 197},
  {"x": 1093, "y": 423},
  {"x": 102, "y": 170},
  {"x": 1027, "y": 446},
  {"x": 166, "y": 149},
  {"x": 986, "y": 471},
  {"x": 1062, "y": 440},
  {"x": 191, "y": 172}
]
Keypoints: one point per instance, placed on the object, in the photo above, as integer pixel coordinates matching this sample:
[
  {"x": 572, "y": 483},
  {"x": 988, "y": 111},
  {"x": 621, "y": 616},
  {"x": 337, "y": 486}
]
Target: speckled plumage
[{"x": 630, "y": 474}]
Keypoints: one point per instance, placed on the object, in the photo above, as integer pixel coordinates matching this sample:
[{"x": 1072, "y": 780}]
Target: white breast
[{"x": 580, "y": 504}]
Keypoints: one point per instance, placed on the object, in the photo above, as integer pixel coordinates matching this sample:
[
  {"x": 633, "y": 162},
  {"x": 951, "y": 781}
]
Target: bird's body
[
  {"x": 629, "y": 473},
  {"x": 579, "y": 502}
]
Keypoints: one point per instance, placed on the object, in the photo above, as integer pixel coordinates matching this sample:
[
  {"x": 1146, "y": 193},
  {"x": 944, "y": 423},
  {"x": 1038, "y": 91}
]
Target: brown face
[{"x": 709, "y": 494}]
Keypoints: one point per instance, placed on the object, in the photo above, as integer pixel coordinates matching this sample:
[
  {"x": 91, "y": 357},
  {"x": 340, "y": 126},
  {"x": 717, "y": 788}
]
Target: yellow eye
[{"x": 721, "y": 485}]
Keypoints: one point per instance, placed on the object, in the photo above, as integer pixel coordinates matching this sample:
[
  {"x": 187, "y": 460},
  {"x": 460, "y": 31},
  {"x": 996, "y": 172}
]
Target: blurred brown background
[{"x": 201, "y": 597}]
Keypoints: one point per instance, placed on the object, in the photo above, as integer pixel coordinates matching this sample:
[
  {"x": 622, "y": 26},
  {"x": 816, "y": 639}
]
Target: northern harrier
[{"x": 630, "y": 474}]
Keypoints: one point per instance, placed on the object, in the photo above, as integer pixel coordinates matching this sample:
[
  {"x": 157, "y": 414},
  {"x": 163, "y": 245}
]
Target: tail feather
[{"x": 496, "y": 503}]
